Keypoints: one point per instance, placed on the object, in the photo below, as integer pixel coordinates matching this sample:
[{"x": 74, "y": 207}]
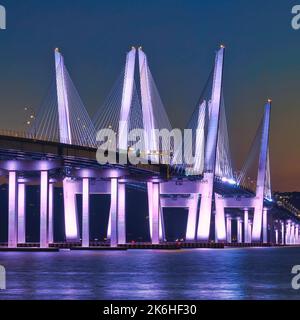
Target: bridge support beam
[
  {"x": 246, "y": 226},
  {"x": 70, "y": 210},
  {"x": 121, "y": 213},
  {"x": 154, "y": 211},
  {"x": 276, "y": 236},
  {"x": 192, "y": 218},
  {"x": 50, "y": 214},
  {"x": 293, "y": 233},
  {"x": 12, "y": 210},
  {"x": 220, "y": 224},
  {"x": 288, "y": 233},
  {"x": 44, "y": 210},
  {"x": 114, "y": 213},
  {"x": 228, "y": 229},
  {"x": 21, "y": 212},
  {"x": 265, "y": 225},
  {"x": 249, "y": 231},
  {"x": 239, "y": 231},
  {"x": 85, "y": 212},
  {"x": 297, "y": 234},
  {"x": 283, "y": 241}
]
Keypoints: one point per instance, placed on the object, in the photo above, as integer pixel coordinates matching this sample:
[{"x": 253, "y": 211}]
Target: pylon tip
[
  {"x": 56, "y": 49},
  {"x": 269, "y": 100},
  {"x": 222, "y": 46}
]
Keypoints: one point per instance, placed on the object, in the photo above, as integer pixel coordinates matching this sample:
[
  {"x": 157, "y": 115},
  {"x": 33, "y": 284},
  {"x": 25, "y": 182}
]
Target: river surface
[{"x": 251, "y": 273}]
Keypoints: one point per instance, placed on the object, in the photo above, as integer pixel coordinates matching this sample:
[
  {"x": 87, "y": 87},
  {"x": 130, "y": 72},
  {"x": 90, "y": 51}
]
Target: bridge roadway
[{"x": 68, "y": 160}]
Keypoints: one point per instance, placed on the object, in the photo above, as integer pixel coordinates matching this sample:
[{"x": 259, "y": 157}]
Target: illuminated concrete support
[
  {"x": 150, "y": 211},
  {"x": 114, "y": 213},
  {"x": 200, "y": 140},
  {"x": 283, "y": 240},
  {"x": 85, "y": 212},
  {"x": 228, "y": 229},
  {"x": 12, "y": 210},
  {"x": 211, "y": 150},
  {"x": 249, "y": 232},
  {"x": 220, "y": 225},
  {"x": 265, "y": 225},
  {"x": 292, "y": 234},
  {"x": 121, "y": 213},
  {"x": 70, "y": 210},
  {"x": 151, "y": 143},
  {"x": 44, "y": 210},
  {"x": 261, "y": 177},
  {"x": 63, "y": 100},
  {"x": 297, "y": 234},
  {"x": 246, "y": 225},
  {"x": 288, "y": 233},
  {"x": 21, "y": 212},
  {"x": 154, "y": 191},
  {"x": 50, "y": 214},
  {"x": 192, "y": 218},
  {"x": 121, "y": 220},
  {"x": 126, "y": 102},
  {"x": 276, "y": 236},
  {"x": 239, "y": 231}
]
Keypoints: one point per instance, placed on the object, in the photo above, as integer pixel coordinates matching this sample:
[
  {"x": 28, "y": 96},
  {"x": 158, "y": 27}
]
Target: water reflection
[{"x": 185, "y": 274}]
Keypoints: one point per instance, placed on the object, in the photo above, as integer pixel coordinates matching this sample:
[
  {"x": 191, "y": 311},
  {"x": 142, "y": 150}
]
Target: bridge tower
[
  {"x": 261, "y": 177},
  {"x": 126, "y": 101},
  {"x": 65, "y": 135},
  {"x": 151, "y": 148},
  {"x": 116, "y": 230},
  {"x": 211, "y": 150}
]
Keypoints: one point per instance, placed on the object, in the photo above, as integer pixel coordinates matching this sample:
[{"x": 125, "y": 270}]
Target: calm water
[{"x": 185, "y": 274}]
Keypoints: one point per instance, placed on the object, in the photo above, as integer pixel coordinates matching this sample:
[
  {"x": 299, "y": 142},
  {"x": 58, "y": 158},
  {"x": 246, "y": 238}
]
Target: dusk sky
[{"x": 180, "y": 39}]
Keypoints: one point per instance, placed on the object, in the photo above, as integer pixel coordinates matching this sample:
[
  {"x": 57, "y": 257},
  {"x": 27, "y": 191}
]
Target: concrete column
[
  {"x": 85, "y": 212},
  {"x": 228, "y": 229},
  {"x": 21, "y": 212},
  {"x": 12, "y": 210},
  {"x": 288, "y": 233},
  {"x": 70, "y": 210},
  {"x": 276, "y": 236},
  {"x": 246, "y": 223},
  {"x": 297, "y": 233},
  {"x": 192, "y": 218},
  {"x": 155, "y": 212},
  {"x": 239, "y": 230},
  {"x": 44, "y": 243},
  {"x": 114, "y": 213},
  {"x": 249, "y": 231},
  {"x": 265, "y": 225},
  {"x": 121, "y": 213},
  {"x": 282, "y": 233},
  {"x": 50, "y": 213},
  {"x": 293, "y": 233}
]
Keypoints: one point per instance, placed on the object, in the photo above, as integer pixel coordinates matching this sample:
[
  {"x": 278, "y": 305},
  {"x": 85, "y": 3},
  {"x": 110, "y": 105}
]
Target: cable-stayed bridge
[{"x": 59, "y": 148}]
